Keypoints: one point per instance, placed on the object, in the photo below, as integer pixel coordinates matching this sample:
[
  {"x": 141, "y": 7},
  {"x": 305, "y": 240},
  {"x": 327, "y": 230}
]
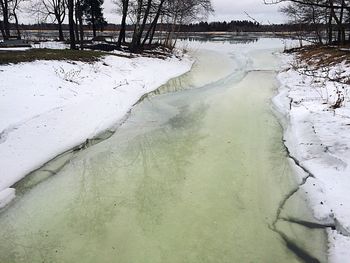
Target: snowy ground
[
  {"x": 317, "y": 134},
  {"x": 48, "y": 107}
]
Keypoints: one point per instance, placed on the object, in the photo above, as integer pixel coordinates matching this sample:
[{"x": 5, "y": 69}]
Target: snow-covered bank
[
  {"x": 315, "y": 110},
  {"x": 48, "y": 107}
]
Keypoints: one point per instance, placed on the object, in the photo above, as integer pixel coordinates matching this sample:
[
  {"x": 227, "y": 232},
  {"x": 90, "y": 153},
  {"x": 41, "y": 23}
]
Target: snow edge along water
[
  {"x": 31, "y": 138},
  {"x": 322, "y": 176}
]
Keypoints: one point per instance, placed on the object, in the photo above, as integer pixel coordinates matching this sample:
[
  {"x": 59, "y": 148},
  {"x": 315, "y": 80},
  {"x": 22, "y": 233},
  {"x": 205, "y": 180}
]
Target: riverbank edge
[
  {"x": 8, "y": 193},
  {"x": 293, "y": 134}
]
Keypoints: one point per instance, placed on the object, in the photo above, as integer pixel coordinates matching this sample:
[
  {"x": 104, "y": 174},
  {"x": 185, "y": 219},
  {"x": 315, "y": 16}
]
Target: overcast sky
[
  {"x": 224, "y": 10},
  {"x": 234, "y": 10}
]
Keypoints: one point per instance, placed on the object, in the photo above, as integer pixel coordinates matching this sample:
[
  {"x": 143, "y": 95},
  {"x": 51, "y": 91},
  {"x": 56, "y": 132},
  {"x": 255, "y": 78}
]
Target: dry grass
[
  {"x": 321, "y": 61},
  {"x": 321, "y": 56},
  {"x": 7, "y": 57}
]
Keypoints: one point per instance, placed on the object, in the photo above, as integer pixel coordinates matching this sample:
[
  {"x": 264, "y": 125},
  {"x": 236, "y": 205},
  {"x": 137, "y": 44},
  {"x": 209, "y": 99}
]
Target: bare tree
[
  {"x": 57, "y": 8},
  {"x": 4, "y": 5},
  {"x": 306, "y": 14},
  {"x": 14, "y": 5},
  {"x": 184, "y": 11},
  {"x": 134, "y": 47},
  {"x": 8, "y": 9},
  {"x": 153, "y": 25},
  {"x": 2, "y": 29},
  {"x": 333, "y": 11},
  {"x": 125, "y": 7},
  {"x": 145, "y": 16}
]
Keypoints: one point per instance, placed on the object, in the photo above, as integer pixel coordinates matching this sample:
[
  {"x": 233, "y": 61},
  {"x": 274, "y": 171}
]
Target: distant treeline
[
  {"x": 52, "y": 26},
  {"x": 233, "y": 26},
  {"x": 245, "y": 26}
]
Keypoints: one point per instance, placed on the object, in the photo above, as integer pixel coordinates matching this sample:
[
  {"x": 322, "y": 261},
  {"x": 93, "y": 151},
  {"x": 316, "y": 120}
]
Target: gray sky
[
  {"x": 234, "y": 10},
  {"x": 224, "y": 10}
]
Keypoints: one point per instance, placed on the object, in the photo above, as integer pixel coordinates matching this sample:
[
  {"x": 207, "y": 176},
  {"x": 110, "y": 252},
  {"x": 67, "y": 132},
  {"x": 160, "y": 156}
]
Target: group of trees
[
  {"x": 330, "y": 19},
  {"x": 8, "y": 12},
  {"x": 143, "y": 17},
  {"x": 149, "y": 15},
  {"x": 77, "y": 12}
]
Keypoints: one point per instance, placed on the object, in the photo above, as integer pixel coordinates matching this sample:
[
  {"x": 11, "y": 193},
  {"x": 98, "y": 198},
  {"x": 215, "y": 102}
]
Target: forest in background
[{"x": 318, "y": 21}]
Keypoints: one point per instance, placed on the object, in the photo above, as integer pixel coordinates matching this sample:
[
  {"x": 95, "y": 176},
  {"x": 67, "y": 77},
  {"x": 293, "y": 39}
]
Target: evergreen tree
[{"x": 93, "y": 13}]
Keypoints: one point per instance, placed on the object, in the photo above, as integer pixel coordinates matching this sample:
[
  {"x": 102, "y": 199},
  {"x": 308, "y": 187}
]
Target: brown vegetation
[
  {"x": 7, "y": 57},
  {"x": 321, "y": 56}
]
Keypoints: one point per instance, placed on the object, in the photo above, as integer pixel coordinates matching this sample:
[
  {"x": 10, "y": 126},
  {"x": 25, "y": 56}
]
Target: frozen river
[{"x": 197, "y": 173}]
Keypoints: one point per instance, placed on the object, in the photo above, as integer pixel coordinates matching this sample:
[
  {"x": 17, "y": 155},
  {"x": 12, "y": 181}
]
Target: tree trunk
[
  {"x": 337, "y": 20},
  {"x": 160, "y": 31},
  {"x": 121, "y": 37},
  {"x": 17, "y": 25},
  {"x": 145, "y": 17},
  {"x": 2, "y": 29},
  {"x": 76, "y": 27},
  {"x": 176, "y": 36},
  {"x": 341, "y": 36},
  {"x": 317, "y": 30},
  {"x": 149, "y": 32},
  {"x": 153, "y": 25},
  {"x": 81, "y": 31},
  {"x": 169, "y": 40},
  {"x": 14, "y": 8},
  {"x": 330, "y": 29},
  {"x": 167, "y": 34},
  {"x": 134, "y": 47},
  {"x": 71, "y": 24},
  {"x": 5, "y": 14},
  {"x": 60, "y": 14},
  {"x": 80, "y": 22},
  {"x": 60, "y": 31},
  {"x": 152, "y": 34},
  {"x": 93, "y": 22}
]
